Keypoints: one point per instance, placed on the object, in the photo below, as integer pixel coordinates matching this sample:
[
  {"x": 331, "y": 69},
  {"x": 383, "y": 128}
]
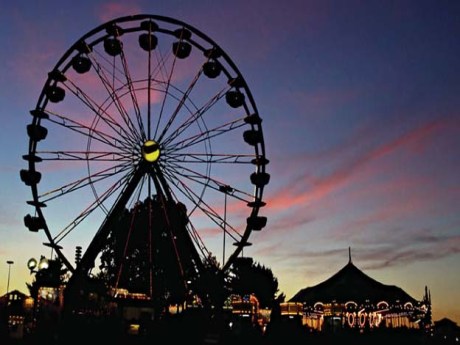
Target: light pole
[
  {"x": 9, "y": 262},
  {"x": 226, "y": 190}
]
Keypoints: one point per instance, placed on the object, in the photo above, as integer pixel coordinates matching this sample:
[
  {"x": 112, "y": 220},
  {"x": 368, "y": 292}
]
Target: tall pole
[
  {"x": 225, "y": 228},
  {"x": 225, "y": 189},
  {"x": 9, "y": 262}
]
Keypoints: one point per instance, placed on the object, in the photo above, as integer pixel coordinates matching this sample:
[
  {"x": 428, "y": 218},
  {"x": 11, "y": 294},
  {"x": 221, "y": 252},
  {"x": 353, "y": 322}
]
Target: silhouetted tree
[
  {"x": 211, "y": 284},
  {"x": 251, "y": 277},
  {"x": 150, "y": 250}
]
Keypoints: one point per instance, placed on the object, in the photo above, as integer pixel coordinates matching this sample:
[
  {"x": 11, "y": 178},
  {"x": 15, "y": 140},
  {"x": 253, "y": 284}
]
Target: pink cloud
[
  {"x": 210, "y": 232},
  {"x": 396, "y": 200},
  {"x": 324, "y": 98},
  {"x": 400, "y": 195},
  {"x": 405, "y": 254},
  {"x": 293, "y": 195},
  {"x": 109, "y": 11}
]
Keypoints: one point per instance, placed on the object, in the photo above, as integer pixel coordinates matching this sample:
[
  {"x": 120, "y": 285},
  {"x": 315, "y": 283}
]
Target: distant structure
[
  {"x": 16, "y": 315},
  {"x": 446, "y": 331},
  {"x": 350, "y": 299}
]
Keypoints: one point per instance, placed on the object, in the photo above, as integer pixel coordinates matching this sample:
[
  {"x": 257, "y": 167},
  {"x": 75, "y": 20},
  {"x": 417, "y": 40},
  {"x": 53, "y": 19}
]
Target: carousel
[{"x": 350, "y": 299}]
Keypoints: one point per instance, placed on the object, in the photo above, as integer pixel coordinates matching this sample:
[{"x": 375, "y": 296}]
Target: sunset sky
[{"x": 360, "y": 106}]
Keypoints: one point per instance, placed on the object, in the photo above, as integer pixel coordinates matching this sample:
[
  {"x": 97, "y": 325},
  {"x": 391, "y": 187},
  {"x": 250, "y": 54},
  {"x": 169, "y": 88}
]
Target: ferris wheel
[{"x": 146, "y": 108}]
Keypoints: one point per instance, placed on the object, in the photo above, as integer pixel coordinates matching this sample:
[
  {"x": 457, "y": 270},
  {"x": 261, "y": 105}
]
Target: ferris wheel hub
[{"x": 151, "y": 151}]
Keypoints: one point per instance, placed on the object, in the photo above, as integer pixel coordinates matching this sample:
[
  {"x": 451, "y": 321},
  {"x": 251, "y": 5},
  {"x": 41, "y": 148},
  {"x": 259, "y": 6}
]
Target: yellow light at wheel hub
[{"x": 150, "y": 151}]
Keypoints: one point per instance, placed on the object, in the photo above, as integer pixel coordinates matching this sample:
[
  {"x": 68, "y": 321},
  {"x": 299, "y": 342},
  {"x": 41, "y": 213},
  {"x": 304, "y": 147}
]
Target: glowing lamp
[
  {"x": 151, "y": 151},
  {"x": 31, "y": 264},
  {"x": 43, "y": 264}
]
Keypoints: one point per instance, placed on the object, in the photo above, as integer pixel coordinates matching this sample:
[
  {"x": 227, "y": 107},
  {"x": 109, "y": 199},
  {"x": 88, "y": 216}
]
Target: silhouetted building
[
  {"x": 15, "y": 314},
  {"x": 350, "y": 299},
  {"x": 446, "y": 331}
]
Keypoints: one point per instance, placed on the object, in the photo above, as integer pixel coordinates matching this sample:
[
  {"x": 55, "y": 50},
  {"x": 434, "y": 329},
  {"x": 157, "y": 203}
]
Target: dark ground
[
  {"x": 196, "y": 329},
  {"x": 194, "y": 334}
]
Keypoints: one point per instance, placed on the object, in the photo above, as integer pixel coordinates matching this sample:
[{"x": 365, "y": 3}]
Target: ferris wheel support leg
[{"x": 76, "y": 283}]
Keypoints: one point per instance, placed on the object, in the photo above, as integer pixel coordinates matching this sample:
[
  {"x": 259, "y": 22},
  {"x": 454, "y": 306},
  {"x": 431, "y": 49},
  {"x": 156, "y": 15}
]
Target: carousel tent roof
[{"x": 351, "y": 284}]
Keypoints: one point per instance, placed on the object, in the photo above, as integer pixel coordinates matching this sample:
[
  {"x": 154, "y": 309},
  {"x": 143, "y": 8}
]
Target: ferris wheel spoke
[
  {"x": 89, "y": 209},
  {"x": 96, "y": 156},
  {"x": 198, "y": 114},
  {"x": 210, "y": 158},
  {"x": 168, "y": 84},
  {"x": 206, "y": 135},
  {"x": 160, "y": 72},
  {"x": 87, "y": 131},
  {"x": 84, "y": 182},
  {"x": 190, "y": 228},
  {"x": 133, "y": 95},
  {"x": 200, "y": 245},
  {"x": 204, "y": 207},
  {"x": 149, "y": 82},
  {"x": 102, "y": 114},
  {"x": 210, "y": 182},
  {"x": 114, "y": 93},
  {"x": 180, "y": 105}
]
